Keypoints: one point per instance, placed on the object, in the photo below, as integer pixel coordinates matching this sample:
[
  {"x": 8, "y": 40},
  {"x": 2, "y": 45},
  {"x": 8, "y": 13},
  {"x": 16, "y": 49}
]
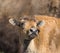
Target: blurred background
[{"x": 10, "y": 37}]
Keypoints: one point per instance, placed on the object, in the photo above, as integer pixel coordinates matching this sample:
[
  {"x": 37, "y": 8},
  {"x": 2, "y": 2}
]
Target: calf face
[{"x": 28, "y": 25}]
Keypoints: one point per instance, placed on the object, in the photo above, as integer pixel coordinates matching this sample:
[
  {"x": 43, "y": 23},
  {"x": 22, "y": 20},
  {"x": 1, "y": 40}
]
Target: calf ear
[
  {"x": 41, "y": 23},
  {"x": 13, "y": 22}
]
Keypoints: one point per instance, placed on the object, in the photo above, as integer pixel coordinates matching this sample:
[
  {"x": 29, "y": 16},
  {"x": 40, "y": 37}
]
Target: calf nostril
[{"x": 31, "y": 30}]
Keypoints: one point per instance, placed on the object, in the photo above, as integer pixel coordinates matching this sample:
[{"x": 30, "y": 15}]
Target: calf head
[{"x": 29, "y": 27}]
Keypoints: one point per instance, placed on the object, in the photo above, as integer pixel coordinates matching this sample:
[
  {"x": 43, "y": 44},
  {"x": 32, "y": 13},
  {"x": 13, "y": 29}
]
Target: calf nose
[{"x": 33, "y": 32}]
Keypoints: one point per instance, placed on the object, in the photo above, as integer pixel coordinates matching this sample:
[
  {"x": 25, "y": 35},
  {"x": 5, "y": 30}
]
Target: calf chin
[{"x": 30, "y": 47}]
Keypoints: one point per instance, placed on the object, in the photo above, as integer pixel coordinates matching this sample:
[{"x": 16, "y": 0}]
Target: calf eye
[{"x": 22, "y": 23}]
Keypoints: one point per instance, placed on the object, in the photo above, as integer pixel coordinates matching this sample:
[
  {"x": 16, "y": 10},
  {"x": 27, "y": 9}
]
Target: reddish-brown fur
[{"x": 47, "y": 40}]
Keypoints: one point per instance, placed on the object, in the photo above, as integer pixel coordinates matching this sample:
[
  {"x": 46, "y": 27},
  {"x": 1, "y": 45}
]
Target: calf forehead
[{"x": 30, "y": 24}]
